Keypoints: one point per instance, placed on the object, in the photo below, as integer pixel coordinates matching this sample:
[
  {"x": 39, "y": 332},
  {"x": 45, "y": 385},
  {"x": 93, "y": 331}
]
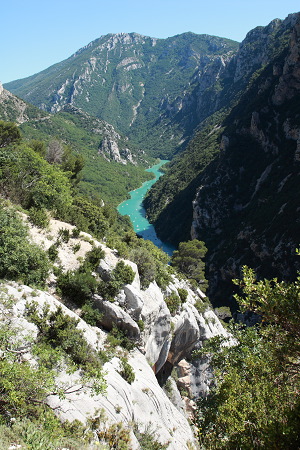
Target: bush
[
  {"x": 93, "y": 257},
  {"x": 116, "y": 436},
  {"x": 146, "y": 265},
  {"x": 117, "y": 337},
  {"x": 123, "y": 273},
  {"x": 19, "y": 259},
  {"x": 90, "y": 315},
  {"x": 53, "y": 252},
  {"x": 120, "y": 275},
  {"x": 126, "y": 371},
  {"x": 173, "y": 302},
  {"x": 183, "y": 293},
  {"x": 188, "y": 260},
  {"x": 64, "y": 234},
  {"x": 75, "y": 233},
  {"x": 38, "y": 217},
  {"x": 77, "y": 286},
  {"x": 59, "y": 332}
]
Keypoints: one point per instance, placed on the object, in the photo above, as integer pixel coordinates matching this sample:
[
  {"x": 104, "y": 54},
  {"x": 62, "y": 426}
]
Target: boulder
[
  {"x": 134, "y": 301},
  {"x": 186, "y": 334},
  {"x": 157, "y": 320},
  {"x": 112, "y": 315}
]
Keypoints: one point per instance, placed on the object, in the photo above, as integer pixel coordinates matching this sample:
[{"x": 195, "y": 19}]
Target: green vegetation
[
  {"x": 122, "y": 274},
  {"x": 126, "y": 371},
  {"x": 25, "y": 417},
  {"x": 38, "y": 217},
  {"x": 19, "y": 258},
  {"x": 118, "y": 338},
  {"x": 98, "y": 177},
  {"x": 255, "y": 401},
  {"x": 173, "y": 302},
  {"x": 9, "y": 134},
  {"x": 163, "y": 72},
  {"x": 151, "y": 261},
  {"x": 188, "y": 260}
]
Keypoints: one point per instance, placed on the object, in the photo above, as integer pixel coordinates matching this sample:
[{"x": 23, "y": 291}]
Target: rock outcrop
[
  {"x": 247, "y": 195},
  {"x": 161, "y": 344}
]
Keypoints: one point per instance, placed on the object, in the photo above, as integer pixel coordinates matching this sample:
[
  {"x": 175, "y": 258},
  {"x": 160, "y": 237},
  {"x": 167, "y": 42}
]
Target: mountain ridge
[{"x": 130, "y": 81}]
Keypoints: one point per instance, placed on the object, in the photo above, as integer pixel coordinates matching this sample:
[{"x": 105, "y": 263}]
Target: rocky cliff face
[
  {"x": 134, "y": 82},
  {"x": 14, "y": 109},
  {"x": 235, "y": 184},
  {"x": 164, "y": 341},
  {"x": 247, "y": 208}
]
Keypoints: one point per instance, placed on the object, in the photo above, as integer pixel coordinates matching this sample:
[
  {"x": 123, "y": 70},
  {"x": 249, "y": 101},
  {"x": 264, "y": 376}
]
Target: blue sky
[{"x": 35, "y": 34}]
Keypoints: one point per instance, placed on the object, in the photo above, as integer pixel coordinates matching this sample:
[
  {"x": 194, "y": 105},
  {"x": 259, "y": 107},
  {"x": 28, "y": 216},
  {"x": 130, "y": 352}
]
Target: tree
[
  {"x": 255, "y": 401},
  {"x": 188, "y": 259},
  {"x": 9, "y": 133},
  {"x": 19, "y": 259},
  {"x": 55, "y": 151}
]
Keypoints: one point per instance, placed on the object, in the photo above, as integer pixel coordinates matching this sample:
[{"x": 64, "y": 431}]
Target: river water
[{"x": 135, "y": 210}]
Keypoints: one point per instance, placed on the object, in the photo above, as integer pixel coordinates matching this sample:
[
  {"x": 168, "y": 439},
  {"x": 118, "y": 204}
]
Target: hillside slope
[
  {"x": 241, "y": 170},
  {"x": 134, "y": 82},
  {"x": 108, "y": 156}
]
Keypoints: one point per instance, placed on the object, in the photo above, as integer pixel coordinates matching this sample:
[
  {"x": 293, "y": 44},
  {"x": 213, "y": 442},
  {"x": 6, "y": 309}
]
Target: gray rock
[
  {"x": 186, "y": 334},
  {"x": 157, "y": 320},
  {"x": 112, "y": 315},
  {"x": 134, "y": 301}
]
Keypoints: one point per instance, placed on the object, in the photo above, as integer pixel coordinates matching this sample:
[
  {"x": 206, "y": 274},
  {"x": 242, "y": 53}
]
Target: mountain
[
  {"x": 236, "y": 185},
  {"x": 107, "y": 154},
  {"x": 136, "y": 83}
]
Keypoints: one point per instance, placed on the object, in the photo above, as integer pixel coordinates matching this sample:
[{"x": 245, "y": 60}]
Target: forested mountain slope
[
  {"x": 136, "y": 83},
  {"x": 107, "y": 155},
  {"x": 241, "y": 171}
]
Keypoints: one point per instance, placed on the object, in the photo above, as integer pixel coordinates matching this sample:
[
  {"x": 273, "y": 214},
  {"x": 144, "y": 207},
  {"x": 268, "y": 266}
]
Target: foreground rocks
[{"x": 163, "y": 343}]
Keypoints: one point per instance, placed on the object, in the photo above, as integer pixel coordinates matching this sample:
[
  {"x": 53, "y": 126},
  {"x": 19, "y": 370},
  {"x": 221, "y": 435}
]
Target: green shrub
[
  {"x": 75, "y": 233},
  {"x": 117, "y": 337},
  {"x": 53, "y": 251},
  {"x": 141, "y": 324},
  {"x": 126, "y": 371},
  {"x": 93, "y": 257},
  {"x": 183, "y": 293},
  {"x": 76, "y": 285},
  {"x": 188, "y": 260},
  {"x": 116, "y": 436},
  {"x": 146, "y": 265},
  {"x": 147, "y": 439},
  {"x": 76, "y": 248},
  {"x": 90, "y": 315},
  {"x": 64, "y": 234},
  {"x": 38, "y": 217},
  {"x": 173, "y": 302},
  {"x": 19, "y": 259},
  {"x": 59, "y": 332},
  {"x": 122, "y": 274}
]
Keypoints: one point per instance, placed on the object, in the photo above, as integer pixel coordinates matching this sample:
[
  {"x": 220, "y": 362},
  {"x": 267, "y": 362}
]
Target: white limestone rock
[
  {"x": 142, "y": 402},
  {"x": 134, "y": 301},
  {"x": 157, "y": 320},
  {"x": 113, "y": 314},
  {"x": 186, "y": 334}
]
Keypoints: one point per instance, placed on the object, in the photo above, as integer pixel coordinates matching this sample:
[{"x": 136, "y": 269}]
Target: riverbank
[{"x": 133, "y": 207}]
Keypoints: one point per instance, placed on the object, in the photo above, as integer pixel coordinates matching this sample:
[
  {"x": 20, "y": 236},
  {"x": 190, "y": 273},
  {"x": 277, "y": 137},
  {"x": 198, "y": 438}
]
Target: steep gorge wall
[{"x": 247, "y": 208}]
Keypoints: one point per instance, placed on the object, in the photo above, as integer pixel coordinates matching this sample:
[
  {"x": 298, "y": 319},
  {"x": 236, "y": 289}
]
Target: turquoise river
[{"x": 135, "y": 210}]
